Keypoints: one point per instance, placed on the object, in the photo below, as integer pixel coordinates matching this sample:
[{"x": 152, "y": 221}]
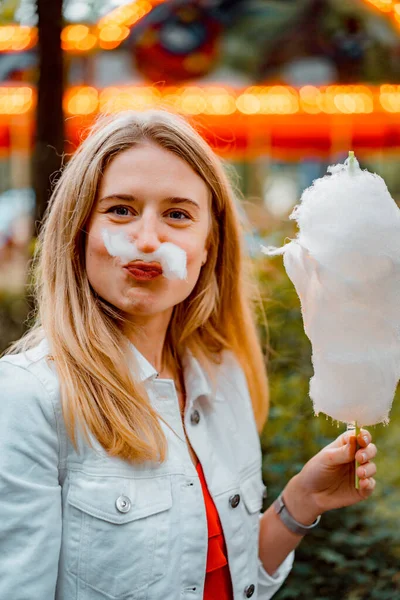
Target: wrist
[{"x": 300, "y": 503}]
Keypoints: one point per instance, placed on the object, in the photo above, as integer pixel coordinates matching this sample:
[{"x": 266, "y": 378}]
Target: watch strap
[{"x": 291, "y": 523}]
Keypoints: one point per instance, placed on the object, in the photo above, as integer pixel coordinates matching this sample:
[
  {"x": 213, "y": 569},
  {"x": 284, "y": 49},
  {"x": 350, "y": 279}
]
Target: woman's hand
[{"x": 327, "y": 480}]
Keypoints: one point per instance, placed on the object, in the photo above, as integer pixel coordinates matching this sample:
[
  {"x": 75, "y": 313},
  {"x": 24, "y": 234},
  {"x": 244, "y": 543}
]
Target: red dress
[{"x": 218, "y": 584}]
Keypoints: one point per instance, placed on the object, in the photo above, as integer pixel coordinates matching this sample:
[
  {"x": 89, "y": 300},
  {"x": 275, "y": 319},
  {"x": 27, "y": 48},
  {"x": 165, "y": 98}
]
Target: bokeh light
[
  {"x": 14, "y": 38},
  {"x": 77, "y": 38},
  {"x": 216, "y": 100},
  {"x": 390, "y": 98},
  {"x": 110, "y": 31},
  {"x": 383, "y": 5},
  {"x": 81, "y": 101},
  {"x": 16, "y": 100}
]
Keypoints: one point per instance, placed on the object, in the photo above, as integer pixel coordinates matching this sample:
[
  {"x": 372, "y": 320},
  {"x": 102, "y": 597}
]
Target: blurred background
[{"x": 280, "y": 89}]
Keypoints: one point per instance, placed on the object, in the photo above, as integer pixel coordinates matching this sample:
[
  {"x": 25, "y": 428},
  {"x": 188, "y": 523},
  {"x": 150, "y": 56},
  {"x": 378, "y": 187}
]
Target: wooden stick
[{"x": 357, "y": 481}]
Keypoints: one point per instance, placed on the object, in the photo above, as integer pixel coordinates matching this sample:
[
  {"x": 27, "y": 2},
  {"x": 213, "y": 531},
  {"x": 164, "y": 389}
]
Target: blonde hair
[{"x": 84, "y": 333}]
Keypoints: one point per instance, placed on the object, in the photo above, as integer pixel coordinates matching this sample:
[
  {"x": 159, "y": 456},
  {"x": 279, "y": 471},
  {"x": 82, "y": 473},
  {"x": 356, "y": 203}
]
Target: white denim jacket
[{"x": 81, "y": 525}]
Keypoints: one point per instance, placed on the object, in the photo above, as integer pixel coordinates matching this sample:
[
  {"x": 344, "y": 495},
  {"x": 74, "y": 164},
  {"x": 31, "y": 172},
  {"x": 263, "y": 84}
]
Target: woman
[{"x": 130, "y": 458}]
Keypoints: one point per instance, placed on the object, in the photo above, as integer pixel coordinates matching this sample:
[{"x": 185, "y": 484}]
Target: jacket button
[
  {"x": 249, "y": 591},
  {"x": 195, "y": 417},
  {"x": 123, "y": 504},
  {"x": 234, "y": 501}
]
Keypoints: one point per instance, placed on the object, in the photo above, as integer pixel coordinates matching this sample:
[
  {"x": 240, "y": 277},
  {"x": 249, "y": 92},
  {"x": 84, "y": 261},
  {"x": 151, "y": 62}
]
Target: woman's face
[{"x": 152, "y": 196}]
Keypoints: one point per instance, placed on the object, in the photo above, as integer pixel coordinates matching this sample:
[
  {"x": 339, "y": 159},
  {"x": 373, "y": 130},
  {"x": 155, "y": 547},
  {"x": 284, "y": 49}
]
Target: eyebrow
[{"x": 130, "y": 198}]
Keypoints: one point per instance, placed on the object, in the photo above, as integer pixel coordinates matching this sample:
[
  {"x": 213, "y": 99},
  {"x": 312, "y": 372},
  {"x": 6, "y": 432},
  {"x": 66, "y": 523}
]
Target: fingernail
[
  {"x": 364, "y": 456},
  {"x": 365, "y": 438}
]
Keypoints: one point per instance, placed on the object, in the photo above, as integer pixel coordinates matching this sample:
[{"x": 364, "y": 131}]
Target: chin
[{"x": 145, "y": 304}]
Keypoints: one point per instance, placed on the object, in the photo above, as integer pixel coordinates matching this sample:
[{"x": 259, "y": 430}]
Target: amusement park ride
[{"x": 240, "y": 122}]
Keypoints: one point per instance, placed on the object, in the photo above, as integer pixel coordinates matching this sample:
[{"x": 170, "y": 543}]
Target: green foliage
[
  {"x": 354, "y": 554},
  {"x": 13, "y": 314}
]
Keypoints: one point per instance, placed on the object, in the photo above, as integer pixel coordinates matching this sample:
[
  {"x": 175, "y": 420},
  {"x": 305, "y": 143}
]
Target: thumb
[{"x": 343, "y": 455}]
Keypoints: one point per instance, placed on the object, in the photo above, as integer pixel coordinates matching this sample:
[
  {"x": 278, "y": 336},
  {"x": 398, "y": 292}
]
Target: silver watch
[{"x": 289, "y": 521}]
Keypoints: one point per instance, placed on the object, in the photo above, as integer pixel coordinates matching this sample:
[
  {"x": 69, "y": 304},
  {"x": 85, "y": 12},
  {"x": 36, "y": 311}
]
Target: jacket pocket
[
  {"x": 118, "y": 532},
  {"x": 252, "y": 491}
]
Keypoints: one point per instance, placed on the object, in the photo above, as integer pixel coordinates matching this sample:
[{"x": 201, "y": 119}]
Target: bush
[
  {"x": 13, "y": 315},
  {"x": 354, "y": 553}
]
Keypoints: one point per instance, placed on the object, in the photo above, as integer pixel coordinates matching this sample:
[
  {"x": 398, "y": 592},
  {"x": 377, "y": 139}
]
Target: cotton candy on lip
[
  {"x": 345, "y": 266},
  {"x": 172, "y": 258}
]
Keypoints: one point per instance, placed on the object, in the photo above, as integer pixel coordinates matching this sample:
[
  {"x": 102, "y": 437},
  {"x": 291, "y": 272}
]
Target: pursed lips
[{"x": 144, "y": 270}]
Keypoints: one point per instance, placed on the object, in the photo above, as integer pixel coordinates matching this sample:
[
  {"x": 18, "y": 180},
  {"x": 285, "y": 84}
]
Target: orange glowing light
[
  {"x": 129, "y": 14},
  {"x": 310, "y": 99},
  {"x": 337, "y": 99},
  {"x": 248, "y": 103},
  {"x": 352, "y": 99},
  {"x": 192, "y": 101},
  {"x": 81, "y": 101},
  {"x": 111, "y": 35},
  {"x": 16, "y": 100},
  {"x": 15, "y": 39},
  {"x": 171, "y": 98},
  {"x": 390, "y": 7},
  {"x": 279, "y": 100},
  {"x": 390, "y": 98},
  {"x": 219, "y": 101},
  {"x": 382, "y": 5},
  {"x": 114, "y": 99},
  {"x": 113, "y": 28},
  {"x": 77, "y": 38}
]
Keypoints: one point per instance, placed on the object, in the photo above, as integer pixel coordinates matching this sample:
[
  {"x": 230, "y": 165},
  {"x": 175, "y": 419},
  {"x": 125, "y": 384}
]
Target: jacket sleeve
[
  {"x": 268, "y": 585},
  {"x": 30, "y": 494}
]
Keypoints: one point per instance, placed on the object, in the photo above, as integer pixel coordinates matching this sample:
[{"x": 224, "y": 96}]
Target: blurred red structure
[{"x": 274, "y": 120}]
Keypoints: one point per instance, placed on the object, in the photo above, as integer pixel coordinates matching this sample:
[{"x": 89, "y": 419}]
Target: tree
[{"x": 49, "y": 139}]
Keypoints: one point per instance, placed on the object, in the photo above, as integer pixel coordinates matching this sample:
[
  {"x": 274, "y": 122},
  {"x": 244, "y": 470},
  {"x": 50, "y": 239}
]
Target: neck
[{"x": 148, "y": 335}]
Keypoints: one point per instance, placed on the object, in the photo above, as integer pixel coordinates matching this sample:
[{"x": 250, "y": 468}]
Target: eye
[
  {"x": 178, "y": 215},
  {"x": 120, "y": 211}
]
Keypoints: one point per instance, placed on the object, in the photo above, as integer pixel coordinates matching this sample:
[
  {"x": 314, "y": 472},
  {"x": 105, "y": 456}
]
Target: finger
[
  {"x": 341, "y": 440},
  {"x": 343, "y": 454},
  {"x": 365, "y": 454},
  {"x": 366, "y": 471},
  {"x": 367, "y": 486},
  {"x": 364, "y": 438}
]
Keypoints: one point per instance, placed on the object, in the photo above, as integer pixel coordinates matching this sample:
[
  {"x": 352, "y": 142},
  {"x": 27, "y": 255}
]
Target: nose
[{"x": 146, "y": 234}]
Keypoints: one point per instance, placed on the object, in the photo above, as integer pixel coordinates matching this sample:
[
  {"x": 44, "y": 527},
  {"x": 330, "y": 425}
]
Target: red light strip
[{"x": 216, "y": 101}]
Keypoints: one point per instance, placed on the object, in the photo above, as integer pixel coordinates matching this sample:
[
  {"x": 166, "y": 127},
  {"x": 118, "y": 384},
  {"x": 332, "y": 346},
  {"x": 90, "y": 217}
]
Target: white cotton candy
[
  {"x": 345, "y": 266},
  {"x": 172, "y": 258}
]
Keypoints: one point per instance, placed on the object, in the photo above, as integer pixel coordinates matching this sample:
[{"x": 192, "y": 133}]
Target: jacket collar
[
  {"x": 197, "y": 381},
  {"x": 145, "y": 368}
]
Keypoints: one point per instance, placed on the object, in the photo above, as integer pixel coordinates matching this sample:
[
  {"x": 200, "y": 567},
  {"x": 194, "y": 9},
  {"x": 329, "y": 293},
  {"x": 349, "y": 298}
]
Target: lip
[{"x": 144, "y": 271}]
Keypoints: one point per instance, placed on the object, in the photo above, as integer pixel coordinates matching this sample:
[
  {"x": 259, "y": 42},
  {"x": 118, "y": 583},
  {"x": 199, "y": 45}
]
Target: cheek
[
  {"x": 98, "y": 261},
  {"x": 95, "y": 248},
  {"x": 196, "y": 251},
  {"x": 194, "y": 264}
]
